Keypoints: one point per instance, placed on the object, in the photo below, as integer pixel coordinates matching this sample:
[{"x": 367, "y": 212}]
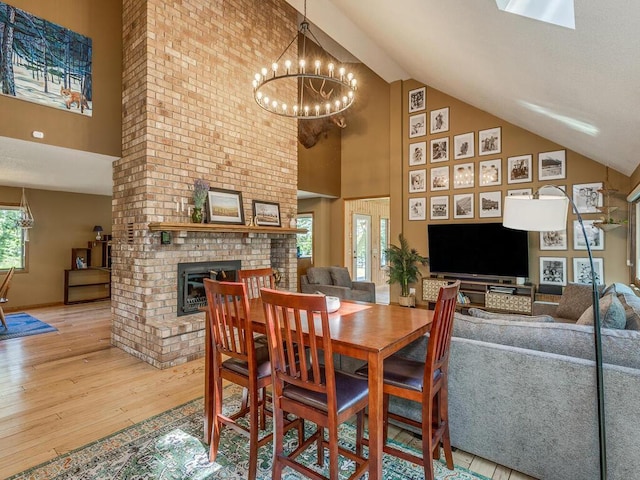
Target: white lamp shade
[{"x": 545, "y": 214}]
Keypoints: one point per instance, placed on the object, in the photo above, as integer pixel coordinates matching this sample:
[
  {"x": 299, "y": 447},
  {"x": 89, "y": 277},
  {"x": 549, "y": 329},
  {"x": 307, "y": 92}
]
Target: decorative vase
[
  {"x": 409, "y": 301},
  {"x": 196, "y": 215},
  {"x": 293, "y": 222}
]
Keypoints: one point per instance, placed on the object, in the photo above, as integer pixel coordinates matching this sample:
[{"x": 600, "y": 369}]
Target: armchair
[{"x": 336, "y": 281}]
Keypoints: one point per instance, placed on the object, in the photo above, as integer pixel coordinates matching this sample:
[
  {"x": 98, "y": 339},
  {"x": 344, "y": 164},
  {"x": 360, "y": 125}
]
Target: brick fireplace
[{"x": 188, "y": 113}]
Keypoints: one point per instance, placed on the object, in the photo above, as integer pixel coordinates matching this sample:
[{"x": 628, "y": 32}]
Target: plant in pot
[
  {"x": 403, "y": 268},
  {"x": 200, "y": 191}
]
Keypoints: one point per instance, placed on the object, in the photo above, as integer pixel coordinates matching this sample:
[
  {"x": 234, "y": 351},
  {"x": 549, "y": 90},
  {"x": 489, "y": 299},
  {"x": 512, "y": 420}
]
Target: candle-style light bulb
[
  {"x": 318, "y": 64},
  {"x": 331, "y": 67},
  {"x": 287, "y": 65},
  {"x": 264, "y": 72},
  {"x": 302, "y": 64}
]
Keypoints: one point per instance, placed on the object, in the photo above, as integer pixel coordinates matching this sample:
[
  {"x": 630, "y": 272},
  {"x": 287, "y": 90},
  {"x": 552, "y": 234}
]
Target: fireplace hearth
[{"x": 191, "y": 295}]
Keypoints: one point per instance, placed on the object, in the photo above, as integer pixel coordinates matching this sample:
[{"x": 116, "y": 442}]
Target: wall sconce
[{"x": 98, "y": 230}]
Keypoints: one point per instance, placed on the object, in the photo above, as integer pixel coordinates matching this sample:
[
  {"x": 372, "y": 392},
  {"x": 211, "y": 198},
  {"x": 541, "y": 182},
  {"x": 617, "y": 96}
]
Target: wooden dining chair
[
  {"x": 424, "y": 382},
  {"x": 255, "y": 279},
  {"x": 4, "y": 289},
  {"x": 228, "y": 317},
  {"x": 297, "y": 331}
]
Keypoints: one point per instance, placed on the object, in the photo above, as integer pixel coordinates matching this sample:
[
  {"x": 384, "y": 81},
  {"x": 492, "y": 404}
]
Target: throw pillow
[
  {"x": 341, "y": 277},
  {"x": 631, "y": 304},
  {"x": 611, "y": 313},
  {"x": 478, "y": 313},
  {"x": 319, "y": 276},
  {"x": 575, "y": 299}
]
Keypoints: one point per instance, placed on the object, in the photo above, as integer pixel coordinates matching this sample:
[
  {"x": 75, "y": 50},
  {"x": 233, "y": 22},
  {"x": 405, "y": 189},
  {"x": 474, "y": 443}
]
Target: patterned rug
[
  {"x": 169, "y": 447},
  {"x": 23, "y": 324}
]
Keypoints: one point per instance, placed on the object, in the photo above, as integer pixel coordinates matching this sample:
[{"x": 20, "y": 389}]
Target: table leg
[
  {"x": 375, "y": 416},
  {"x": 208, "y": 384}
]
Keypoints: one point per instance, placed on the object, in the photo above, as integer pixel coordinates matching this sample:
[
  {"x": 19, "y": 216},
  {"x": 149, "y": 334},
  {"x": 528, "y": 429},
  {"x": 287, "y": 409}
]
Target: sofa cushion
[
  {"x": 319, "y": 276},
  {"x": 612, "y": 313},
  {"x": 619, "y": 347},
  {"x": 575, "y": 299},
  {"x": 618, "y": 288},
  {"x": 478, "y": 313},
  {"x": 341, "y": 277}
]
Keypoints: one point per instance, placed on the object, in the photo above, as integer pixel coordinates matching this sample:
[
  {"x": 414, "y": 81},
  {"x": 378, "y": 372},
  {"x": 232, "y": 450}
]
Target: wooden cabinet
[
  {"x": 86, "y": 285},
  {"x": 495, "y": 296}
]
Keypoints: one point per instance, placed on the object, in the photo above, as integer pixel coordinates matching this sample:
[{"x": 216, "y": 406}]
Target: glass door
[{"x": 361, "y": 247}]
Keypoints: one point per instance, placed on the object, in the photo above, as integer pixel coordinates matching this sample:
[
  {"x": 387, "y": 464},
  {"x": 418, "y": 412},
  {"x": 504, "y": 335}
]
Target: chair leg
[
  {"x": 444, "y": 417},
  {"x": 359, "y": 432},
  {"x": 427, "y": 440},
  {"x": 385, "y": 418},
  {"x": 278, "y": 439},
  {"x": 4, "y": 321},
  {"x": 333, "y": 451},
  {"x": 254, "y": 406},
  {"x": 216, "y": 426}
]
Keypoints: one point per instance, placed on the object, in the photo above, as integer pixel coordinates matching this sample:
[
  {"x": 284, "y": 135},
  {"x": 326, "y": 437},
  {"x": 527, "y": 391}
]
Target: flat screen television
[{"x": 478, "y": 249}]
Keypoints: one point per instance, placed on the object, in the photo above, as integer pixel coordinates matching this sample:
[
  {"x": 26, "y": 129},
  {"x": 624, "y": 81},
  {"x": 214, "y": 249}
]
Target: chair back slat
[
  {"x": 297, "y": 328},
  {"x": 441, "y": 330},
  {"x": 229, "y": 319},
  {"x": 255, "y": 279},
  {"x": 6, "y": 283}
]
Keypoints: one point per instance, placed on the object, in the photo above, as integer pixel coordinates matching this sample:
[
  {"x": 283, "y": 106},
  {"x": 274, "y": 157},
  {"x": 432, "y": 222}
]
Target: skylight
[{"x": 557, "y": 12}]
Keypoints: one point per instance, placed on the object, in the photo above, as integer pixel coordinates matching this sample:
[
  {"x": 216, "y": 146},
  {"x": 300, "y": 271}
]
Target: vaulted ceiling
[{"x": 579, "y": 88}]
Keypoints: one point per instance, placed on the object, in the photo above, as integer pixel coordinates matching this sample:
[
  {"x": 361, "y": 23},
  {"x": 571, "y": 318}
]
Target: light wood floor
[{"x": 62, "y": 390}]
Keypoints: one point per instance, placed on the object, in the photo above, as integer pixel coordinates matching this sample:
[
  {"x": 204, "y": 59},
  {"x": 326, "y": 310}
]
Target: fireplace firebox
[{"x": 191, "y": 295}]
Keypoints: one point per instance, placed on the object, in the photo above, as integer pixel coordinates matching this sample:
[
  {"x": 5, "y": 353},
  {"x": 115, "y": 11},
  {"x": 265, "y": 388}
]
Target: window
[
  {"x": 12, "y": 244},
  {"x": 384, "y": 241},
  {"x": 304, "y": 241}
]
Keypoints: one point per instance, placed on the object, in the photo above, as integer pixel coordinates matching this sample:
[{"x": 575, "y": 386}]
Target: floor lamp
[{"x": 549, "y": 213}]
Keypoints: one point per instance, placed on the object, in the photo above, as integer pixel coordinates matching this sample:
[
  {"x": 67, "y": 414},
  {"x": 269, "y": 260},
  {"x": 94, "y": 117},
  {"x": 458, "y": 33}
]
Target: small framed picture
[
  {"x": 440, "y": 208},
  {"x": 490, "y": 173},
  {"x": 519, "y": 169},
  {"x": 595, "y": 236},
  {"x": 417, "y": 99},
  {"x": 418, "y": 125},
  {"x": 417, "y": 153},
  {"x": 463, "y": 205},
  {"x": 582, "y": 270},
  {"x": 587, "y": 197},
  {"x": 417, "y": 181},
  {"x": 266, "y": 213},
  {"x": 553, "y": 240},
  {"x": 224, "y": 206},
  {"x": 490, "y": 204},
  {"x": 490, "y": 141},
  {"x": 439, "y": 179},
  {"x": 439, "y": 149},
  {"x": 463, "y": 146},
  {"x": 440, "y": 120},
  {"x": 418, "y": 208},
  {"x": 552, "y": 165},
  {"x": 519, "y": 191},
  {"x": 463, "y": 175},
  {"x": 553, "y": 270}
]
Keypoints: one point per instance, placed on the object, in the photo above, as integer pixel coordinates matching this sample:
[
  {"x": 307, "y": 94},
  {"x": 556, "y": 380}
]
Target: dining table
[{"x": 366, "y": 331}]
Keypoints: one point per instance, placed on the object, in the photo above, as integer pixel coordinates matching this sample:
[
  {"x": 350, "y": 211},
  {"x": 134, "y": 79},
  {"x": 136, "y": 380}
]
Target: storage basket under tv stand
[{"x": 485, "y": 294}]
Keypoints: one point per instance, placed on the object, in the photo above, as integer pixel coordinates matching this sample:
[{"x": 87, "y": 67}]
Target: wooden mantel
[{"x": 220, "y": 228}]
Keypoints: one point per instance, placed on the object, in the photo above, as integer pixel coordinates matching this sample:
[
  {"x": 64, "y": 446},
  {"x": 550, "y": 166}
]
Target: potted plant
[
  {"x": 200, "y": 190},
  {"x": 403, "y": 268}
]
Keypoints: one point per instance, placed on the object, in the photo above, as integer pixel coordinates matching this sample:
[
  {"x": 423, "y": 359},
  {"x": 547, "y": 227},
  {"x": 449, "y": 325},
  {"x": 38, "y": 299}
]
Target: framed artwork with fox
[{"x": 49, "y": 64}]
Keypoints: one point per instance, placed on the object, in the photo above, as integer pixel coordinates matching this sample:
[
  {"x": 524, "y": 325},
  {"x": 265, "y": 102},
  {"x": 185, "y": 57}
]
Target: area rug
[
  {"x": 169, "y": 447},
  {"x": 22, "y": 325}
]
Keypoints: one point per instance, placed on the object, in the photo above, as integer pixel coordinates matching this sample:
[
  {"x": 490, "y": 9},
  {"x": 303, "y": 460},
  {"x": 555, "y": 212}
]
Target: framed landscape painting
[
  {"x": 266, "y": 213},
  {"x": 552, "y": 165},
  {"x": 463, "y": 205},
  {"x": 490, "y": 204},
  {"x": 224, "y": 206}
]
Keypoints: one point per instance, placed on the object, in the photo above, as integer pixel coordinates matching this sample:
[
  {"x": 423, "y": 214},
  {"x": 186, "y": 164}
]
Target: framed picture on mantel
[{"x": 225, "y": 206}]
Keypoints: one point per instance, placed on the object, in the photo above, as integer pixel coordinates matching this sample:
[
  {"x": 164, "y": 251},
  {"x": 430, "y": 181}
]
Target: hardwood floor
[{"x": 64, "y": 389}]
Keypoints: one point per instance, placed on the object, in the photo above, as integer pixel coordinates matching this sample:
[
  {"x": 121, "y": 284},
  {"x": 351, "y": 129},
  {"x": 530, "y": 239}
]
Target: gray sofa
[
  {"x": 523, "y": 395},
  {"x": 336, "y": 282}
]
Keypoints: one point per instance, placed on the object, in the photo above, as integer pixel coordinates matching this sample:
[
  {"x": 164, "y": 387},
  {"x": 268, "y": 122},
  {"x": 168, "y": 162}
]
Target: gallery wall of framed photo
[{"x": 460, "y": 162}]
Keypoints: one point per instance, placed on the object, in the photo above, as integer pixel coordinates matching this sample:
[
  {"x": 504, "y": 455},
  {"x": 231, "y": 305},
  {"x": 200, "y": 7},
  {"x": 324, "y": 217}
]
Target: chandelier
[
  {"x": 304, "y": 89},
  {"x": 26, "y": 220}
]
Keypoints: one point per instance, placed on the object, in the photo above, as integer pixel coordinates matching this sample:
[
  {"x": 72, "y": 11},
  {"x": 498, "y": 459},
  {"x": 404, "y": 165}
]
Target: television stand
[{"x": 490, "y": 295}]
